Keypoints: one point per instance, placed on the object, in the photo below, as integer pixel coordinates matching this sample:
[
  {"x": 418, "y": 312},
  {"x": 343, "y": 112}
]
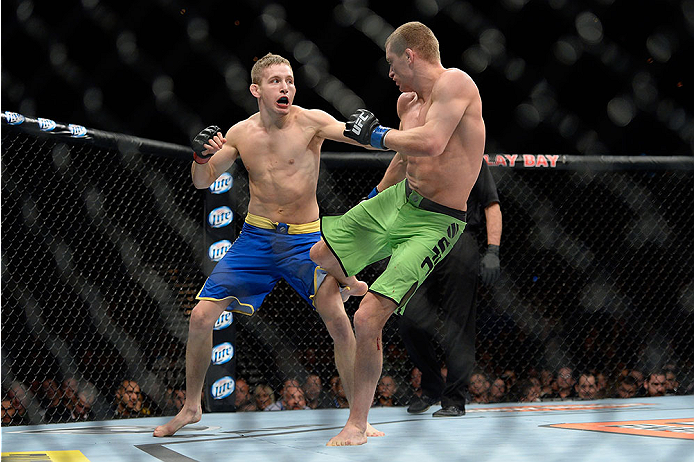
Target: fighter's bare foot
[
  {"x": 357, "y": 288},
  {"x": 349, "y": 436},
  {"x": 371, "y": 431},
  {"x": 183, "y": 418}
]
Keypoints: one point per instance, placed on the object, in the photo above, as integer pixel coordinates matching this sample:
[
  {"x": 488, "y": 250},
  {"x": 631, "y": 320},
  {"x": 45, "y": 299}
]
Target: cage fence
[{"x": 102, "y": 256}]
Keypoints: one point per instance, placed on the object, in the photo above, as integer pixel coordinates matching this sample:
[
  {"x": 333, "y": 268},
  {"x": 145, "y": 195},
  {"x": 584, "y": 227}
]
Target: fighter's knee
[
  {"x": 317, "y": 252},
  {"x": 200, "y": 318},
  {"x": 365, "y": 320},
  {"x": 371, "y": 315}
]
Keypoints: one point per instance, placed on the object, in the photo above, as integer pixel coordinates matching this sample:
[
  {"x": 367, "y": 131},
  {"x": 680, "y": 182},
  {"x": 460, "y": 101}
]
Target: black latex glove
[{"x": 490, "y": 266}]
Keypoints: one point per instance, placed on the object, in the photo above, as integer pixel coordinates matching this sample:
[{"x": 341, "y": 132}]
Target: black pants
[{"x": 443, "y": 310}]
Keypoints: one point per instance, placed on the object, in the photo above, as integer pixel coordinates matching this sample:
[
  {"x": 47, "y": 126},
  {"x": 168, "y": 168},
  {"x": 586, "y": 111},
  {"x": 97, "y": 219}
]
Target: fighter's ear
[{"x": 255, "y": 90}]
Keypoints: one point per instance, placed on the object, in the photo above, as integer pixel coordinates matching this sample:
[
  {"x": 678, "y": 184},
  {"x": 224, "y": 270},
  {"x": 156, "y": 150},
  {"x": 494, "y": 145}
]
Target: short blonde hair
[
  {"x": 263, "y": 63},
  {"x": 418, "y": 37}
]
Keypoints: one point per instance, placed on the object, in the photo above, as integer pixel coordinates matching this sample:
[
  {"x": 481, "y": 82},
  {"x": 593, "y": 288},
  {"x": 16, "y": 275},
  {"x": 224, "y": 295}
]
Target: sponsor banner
[
  {"x": 220, "y": 224},
  {"x": 222, "y": 353},
  {"x": 225, "y": 320},
  {"x": 557, "y": 407},
  {"x": 55, "y": 456},
  {"x": 47, "y": 126},
  {"x": 223, "y": 388},
  {"x": 220, "y": 217},
  {"x": 77, "y": 131},
  {"x": 222, "y": 184},
  {"x": 218, "y": 249},
  {"x": 522, "y": 160},
  {"x": 660, "y": 428},
  {"x": 13, "y": 118}
]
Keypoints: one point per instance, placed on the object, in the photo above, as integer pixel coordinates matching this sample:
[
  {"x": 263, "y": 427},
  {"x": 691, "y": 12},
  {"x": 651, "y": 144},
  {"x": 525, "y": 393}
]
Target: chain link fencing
[{"x": 102, "y": 256}]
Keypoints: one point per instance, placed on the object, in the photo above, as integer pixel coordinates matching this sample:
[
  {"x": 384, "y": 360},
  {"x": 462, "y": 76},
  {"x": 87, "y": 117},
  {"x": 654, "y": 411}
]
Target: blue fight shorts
[{"x": 263, "y": 253}]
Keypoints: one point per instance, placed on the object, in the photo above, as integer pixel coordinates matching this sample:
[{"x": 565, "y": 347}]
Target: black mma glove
[
  {"x": 198, "y": 144},
  {"x": 363, "y": 127},
  {"x": 490, "y": 267}
]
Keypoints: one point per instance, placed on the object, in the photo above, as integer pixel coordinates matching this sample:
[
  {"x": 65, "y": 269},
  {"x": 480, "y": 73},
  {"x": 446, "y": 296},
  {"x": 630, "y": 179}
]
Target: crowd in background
[{"x": 51, "y": 401}]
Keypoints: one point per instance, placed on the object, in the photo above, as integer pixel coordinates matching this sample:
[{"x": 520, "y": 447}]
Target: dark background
[{"x": 556, "y": 76}]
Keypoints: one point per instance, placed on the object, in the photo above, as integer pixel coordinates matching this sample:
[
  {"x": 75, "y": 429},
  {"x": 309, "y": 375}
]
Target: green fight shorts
[{"x": 415, "y": 232}]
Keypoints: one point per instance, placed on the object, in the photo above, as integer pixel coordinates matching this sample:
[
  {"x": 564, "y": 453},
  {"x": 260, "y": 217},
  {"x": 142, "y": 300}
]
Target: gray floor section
[{"x": 646, "y": 429}]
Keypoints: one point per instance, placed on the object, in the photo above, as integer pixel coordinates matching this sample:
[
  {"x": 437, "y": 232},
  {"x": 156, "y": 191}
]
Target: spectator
[
  {"x": 671, "y": 383},
  {"x": 316, "y": 397},
  {"x": 293, "y": 381},
  {"x": 655, "y": 385},
  {"x": 587, "y": 386},
  {"x": 17, "y": 395},
  {"x": 263, "y": 396},
  {"x": 243, "y": 399},
  {"x": 293, "y": 398},
  {"x": 546, "y": 383},
  {"x": 528, "y": 391},
  {"x": 510, "y": 377},
  {"x": 565, "y": 385},
  {"x": 51, "y": 399},
  {"x": 82, "y": 410},
  {"x": 638, "y": 376},
  {"x": 129, "y": 401},
  {"x": 479, "y": 387},
  {"x": 497, "y": 391},
  {"x": 70, "y": 388},
  {"x": 8, "y": 412},
  {"x": 627, "y": 387},
  {"x": 386, "y": 392},
  {"x": 601, "y": 380},
  {"x": 175, "y": 399},
  {"x": 338, "y": 393},
  {"x": 416, "y": 382}
]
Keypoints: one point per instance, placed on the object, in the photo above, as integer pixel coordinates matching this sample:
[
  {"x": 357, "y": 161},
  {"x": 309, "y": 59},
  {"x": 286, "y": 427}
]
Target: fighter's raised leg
[{"x": 323, "y": 257}]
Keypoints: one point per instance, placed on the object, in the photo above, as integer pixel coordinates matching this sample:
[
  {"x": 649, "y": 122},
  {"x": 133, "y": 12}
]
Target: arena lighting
[{"x": 637, "y": 73}]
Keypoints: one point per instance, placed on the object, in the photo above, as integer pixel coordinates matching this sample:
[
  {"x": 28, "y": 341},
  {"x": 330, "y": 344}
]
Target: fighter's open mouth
[{"x": 283, "y": 100}]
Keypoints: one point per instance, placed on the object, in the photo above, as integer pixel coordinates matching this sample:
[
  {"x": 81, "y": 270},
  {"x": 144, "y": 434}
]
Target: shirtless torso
[
  {"x": 282, "y": 159},
  {"x": 448, "y": 177}
]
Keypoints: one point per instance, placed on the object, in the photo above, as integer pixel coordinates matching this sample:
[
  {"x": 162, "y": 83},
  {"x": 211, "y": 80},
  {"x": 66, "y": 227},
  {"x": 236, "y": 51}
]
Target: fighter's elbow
[
  {"x": 433, "y": 147},
  {"x": 202, "y": 183}
]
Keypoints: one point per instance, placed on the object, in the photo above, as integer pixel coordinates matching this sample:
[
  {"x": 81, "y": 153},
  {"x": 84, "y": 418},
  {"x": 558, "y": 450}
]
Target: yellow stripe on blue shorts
[{"x": 288, "y": 228}]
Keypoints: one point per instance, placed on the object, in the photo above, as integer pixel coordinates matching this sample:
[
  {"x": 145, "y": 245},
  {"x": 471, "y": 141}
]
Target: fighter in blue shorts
[{"x": 280, "y": 148}]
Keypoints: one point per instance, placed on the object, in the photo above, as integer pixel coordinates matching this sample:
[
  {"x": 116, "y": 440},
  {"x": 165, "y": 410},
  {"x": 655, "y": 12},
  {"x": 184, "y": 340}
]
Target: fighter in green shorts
[{"x": 415, "y": 232}]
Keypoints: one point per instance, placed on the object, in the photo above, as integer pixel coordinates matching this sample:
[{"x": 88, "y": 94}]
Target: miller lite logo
[
  {"x": 222, "y": 353},
  {"x": 223, "y": 387},
  {"x": 46, "y": 125},
  {"x": 77, "y": 131},
  {"x": 218, "y": 249},
  {"x": 222, "y": 184},
  {"x": 225, "y": 320},
  {"x": 220, "y": 217},
  {"x": 13, "y": 118}
]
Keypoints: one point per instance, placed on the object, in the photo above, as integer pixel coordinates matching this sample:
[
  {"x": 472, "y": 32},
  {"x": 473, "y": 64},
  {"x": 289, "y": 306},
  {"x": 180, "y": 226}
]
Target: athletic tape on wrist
[{"x": 377, "y": 137}]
